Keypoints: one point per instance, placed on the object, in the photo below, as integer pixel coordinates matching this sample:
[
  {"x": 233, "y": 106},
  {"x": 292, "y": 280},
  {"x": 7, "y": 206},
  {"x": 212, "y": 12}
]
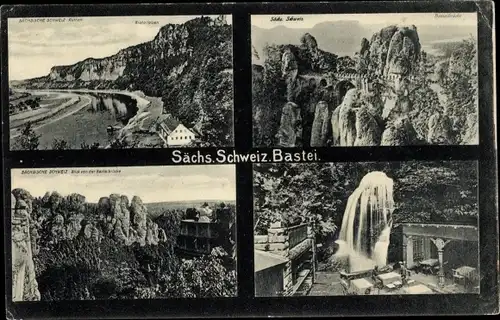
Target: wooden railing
[
  {"x": 199, "y": 229},
  {"x": 297, "y": 234}
]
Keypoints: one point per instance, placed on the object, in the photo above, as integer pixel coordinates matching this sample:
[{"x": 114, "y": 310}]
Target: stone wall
[{"x": 277, "y": 242}]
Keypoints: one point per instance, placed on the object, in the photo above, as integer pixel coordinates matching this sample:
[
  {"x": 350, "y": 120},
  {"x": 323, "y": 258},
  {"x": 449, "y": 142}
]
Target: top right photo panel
[{"x": 344, "y": 80}]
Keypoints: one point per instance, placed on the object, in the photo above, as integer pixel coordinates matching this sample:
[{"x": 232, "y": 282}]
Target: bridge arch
[{"x": 342, "y": 87}]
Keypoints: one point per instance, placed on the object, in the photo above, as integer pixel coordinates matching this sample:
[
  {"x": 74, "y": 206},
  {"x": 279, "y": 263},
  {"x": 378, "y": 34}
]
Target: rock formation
[
  {"x": 290, "y": 130},
  {"x": 24, "y": 284},
  {"x": 362, "y": 58},
  {"x": 399, "y": 132},
  {"x": 440, "y": 129},
  {"x": 344, "y": 120},
  {"x": 172, "y": 41},
  {"x": 289, "y": 69},
  {"x": 321, "y": 125},
  {"x": 392, "y": 50},
  {"x": 115, "y": 217},
  {"x": 139, "y": 218},
  {"x": 471, "y": 135},
  {"x": 368, "y": 132}
]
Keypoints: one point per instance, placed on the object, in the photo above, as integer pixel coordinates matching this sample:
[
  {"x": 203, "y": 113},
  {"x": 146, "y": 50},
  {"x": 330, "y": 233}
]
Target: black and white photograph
[
  {"x": 98, "y": 233},
  {"x": 120, "y": 82},
  {"x": 398, "y": 79},
  {"x": 366, "y": 228}
]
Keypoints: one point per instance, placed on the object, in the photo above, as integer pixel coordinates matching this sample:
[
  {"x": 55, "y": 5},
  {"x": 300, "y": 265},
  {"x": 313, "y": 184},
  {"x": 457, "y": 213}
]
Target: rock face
[
  {"x": 289, "y": 70},
  {"x": 399, "y": 132},
  {"x": 124, "y": 221},
  {"x": 290, "y": 131},
  {"x": 363, "y": 57},
  {"x": 344, "y": 120},
  {"x": 183, "y": 66},
  {"x": 471, "y": 135},
  {"x": 139, "y": 219},
  {"x": 368, "y": 132},
  {"x": 321, "y": 125},
  {"x": 392, "y": 50},
  {"x": 24, "y": 284},
  {"x": 173, "y": 42},
  {"x": 440, "y": 129}
]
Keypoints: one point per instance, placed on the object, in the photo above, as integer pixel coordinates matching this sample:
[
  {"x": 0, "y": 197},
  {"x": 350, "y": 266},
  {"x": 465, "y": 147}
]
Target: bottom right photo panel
[{"x": 366, "y": 228}]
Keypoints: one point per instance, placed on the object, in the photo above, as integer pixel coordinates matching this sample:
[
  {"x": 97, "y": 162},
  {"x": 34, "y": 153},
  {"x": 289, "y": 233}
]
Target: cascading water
[{"x": 367, "y": 222}]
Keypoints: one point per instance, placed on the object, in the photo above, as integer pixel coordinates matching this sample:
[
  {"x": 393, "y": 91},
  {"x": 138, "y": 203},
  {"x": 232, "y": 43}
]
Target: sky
[
  {"x": 151, "y": 183},
  {"x": 310, "y": 20},
  {"x": 36, "y": 46}
]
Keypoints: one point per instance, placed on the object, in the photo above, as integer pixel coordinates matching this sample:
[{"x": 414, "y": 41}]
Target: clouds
[
  {"x": 152, "y": 184},
  {"x": 35, "y": 47}
]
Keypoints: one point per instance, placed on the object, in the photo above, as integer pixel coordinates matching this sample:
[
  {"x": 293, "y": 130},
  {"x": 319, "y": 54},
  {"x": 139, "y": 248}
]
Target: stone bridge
[{"x": 363, "y": 81}]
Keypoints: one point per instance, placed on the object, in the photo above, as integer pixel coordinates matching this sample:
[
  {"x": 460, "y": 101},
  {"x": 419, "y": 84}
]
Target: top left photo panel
[{"x": 120, "y": 82}]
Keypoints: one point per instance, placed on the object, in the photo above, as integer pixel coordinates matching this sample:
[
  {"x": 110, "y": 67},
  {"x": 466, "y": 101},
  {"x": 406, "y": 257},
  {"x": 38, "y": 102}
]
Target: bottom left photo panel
[{"x": 98, "y": 233}]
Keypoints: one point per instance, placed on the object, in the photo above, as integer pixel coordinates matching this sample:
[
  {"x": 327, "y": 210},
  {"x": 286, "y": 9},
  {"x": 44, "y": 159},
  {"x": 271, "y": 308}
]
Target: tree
[
  {"x": 28, "y": 140},
  {"x": 461, "y": 88},
  {"x": 204, "y": 277},
  {"x": 86, "y": 146},
  {"x": 60, "y": 144},
  {"x": 218, "y": 116}
]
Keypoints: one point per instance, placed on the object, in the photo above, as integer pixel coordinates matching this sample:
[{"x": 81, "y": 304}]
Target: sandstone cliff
[
  {"x": 392, "y": 50},
  {"x": 64, "y": 218},
  {"x": 24, "y": 284},
  {"x": 301, "y": 74},
  {"x": 185, "y": 64}
]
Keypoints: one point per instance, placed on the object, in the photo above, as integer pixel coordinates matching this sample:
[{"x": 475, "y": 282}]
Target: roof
[
  {"x": 168, "y": 122},
  {"x": 265, "y": 260},
  {"x": 447, "y": 231}
]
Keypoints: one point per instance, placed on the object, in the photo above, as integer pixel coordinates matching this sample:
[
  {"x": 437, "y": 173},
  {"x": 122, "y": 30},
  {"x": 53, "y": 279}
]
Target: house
[
  {"x": 164, "y": 125},
  {"x": 180, "y": 136},
  {"x": 445, "y": 248},
  {"x": 199, "y": 237},
  {"x": 173, "y": 132}
]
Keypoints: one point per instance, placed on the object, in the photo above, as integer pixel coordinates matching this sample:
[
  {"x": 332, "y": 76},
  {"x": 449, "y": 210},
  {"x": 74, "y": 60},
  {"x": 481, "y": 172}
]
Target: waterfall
[{"x": 366, "y": 224}]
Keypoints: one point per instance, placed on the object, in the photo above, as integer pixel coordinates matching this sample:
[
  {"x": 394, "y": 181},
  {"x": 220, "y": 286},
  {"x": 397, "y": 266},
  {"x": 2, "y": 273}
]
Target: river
[{"x": 84, "y": 119}]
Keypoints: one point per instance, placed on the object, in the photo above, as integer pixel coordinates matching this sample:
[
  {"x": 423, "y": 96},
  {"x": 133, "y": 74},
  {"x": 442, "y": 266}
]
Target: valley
[{"x": 84, "y": 117}]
